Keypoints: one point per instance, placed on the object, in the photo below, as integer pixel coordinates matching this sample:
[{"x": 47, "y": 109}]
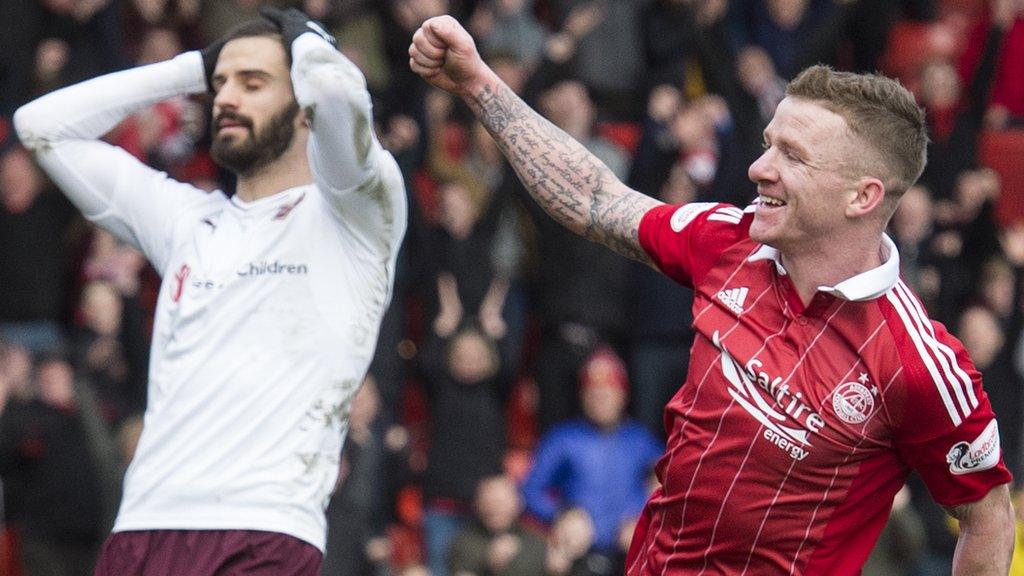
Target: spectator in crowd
[
  {"x": 780, "y": 27},
  {"x": 477, "y": 240},
  {"x": 495, "y": 543},
  {"x": 901, "y": 543},
  {"x": 967, "y": 236},
  {"x": 398, "y": 20},
  {"x": 1005, "y": 105},
  {"x": 467, "y": 383},
  {"x": 59, "y": 471},
  {"x": 509, "y": 27},
  {"x": 106, "y": 347},
  {"x": 372, "y": 464},
  {"x": 34, "y": 221},
  {"x": 87, "y": 33},
  {"x": 671, "y": 38},
  {"x": 569, "y": 539},
  {"x": 599, "y": 463},
  {"x": 571, "y": 552},
  {"x": 174, "y": 21},
  {"x": 605, "y": 36},
  {"x": 467, "y": 279},
  {"x": 912, "y": 229},
  {"x": 955, "y": 115},
  {"x": 711, "y": 121},
  {"x": 15, "y": 374},
  {"x": 51, "y": 60}
]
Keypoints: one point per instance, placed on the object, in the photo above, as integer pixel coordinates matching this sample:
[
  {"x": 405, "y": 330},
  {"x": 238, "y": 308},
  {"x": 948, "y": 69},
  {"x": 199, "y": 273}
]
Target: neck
[
  {"x": 291, "y": 169},
  {"x": 829, "y": 263}
]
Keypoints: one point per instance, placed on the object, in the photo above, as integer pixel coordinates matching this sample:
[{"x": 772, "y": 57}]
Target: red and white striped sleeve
[
  {"x": 685, "y": 241},
  {"x": 948, "y": 431}
]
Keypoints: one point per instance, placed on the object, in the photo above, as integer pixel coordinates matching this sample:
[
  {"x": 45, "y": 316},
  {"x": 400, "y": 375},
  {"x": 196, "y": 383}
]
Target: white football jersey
[{"x": 268, "y": 311}]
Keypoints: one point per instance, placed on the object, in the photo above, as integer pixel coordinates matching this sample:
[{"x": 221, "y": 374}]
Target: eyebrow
[
  {"x": 790, "y": 144},
  {"x": 245, "y": 74}
]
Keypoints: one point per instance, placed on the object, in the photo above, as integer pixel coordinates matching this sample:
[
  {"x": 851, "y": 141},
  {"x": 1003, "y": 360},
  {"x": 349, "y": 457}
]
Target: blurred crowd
[{"x": 513, "y": 413}]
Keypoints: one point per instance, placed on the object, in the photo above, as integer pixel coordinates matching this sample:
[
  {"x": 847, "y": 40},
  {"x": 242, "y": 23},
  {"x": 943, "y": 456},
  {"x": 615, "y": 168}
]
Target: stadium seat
[
  {"x": 625, "y": 135},
  {"x": 10, "y": 560},
  {"x": 1002, "y": 151}
]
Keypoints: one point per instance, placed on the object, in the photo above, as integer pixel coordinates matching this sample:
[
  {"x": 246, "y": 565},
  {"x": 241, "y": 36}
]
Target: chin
[
  {"x": 227, "y": 140},
  {"x": 760, "y": 232}
]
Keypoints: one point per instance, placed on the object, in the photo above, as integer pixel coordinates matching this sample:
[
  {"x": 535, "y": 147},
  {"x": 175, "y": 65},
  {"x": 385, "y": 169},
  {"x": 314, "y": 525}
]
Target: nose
[
  {"x": 763, "y": 170},
  {"x": 226, "y": 98}
]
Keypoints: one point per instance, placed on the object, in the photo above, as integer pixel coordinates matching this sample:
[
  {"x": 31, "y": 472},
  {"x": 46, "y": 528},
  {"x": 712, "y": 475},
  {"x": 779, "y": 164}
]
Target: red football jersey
[{"x": 797, "y": 425}]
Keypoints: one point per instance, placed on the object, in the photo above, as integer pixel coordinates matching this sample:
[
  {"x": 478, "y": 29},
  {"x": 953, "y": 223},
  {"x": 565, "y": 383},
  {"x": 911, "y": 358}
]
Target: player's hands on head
[
  {"x": 444, "y": 54},
  {"x": 294, "y": 23}
]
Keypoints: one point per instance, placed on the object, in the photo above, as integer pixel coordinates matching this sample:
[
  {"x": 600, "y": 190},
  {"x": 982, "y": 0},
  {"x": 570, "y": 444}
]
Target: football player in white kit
[{"x": 271, "y": 299}]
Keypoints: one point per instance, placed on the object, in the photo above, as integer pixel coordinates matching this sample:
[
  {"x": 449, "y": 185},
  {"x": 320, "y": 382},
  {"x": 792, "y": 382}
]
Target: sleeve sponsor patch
[
  {"x": 686, "y": 213},
  {"x": 981, "y": 454}
]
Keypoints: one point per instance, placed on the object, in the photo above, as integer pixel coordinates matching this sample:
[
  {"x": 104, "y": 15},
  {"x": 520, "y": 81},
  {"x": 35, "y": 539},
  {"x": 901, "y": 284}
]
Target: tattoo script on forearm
[{"x": 565, "y": 179}]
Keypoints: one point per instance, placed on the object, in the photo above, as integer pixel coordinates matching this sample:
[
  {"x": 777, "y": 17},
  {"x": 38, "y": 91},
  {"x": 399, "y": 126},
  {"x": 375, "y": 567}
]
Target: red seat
[
  {"x": 1003, "y": 151},
  {"x": 10, "y": 559},
  {"x": 625, "y": 135}
]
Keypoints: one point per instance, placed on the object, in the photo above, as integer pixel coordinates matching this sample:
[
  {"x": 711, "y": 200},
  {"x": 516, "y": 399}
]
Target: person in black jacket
[
  {"x": 467, "y": 384},
  {"x": 955, "y": 119},
  {"x": 57, "y": 465}
]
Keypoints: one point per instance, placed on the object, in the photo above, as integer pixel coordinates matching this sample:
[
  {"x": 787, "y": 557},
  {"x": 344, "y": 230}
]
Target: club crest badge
[{"x": 853, "y": 402}]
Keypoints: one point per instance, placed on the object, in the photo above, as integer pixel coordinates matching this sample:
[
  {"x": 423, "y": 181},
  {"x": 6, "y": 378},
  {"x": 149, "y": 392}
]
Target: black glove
[
  {"x": 294, "y": 23},
  {"x": 210, "y": 55}
]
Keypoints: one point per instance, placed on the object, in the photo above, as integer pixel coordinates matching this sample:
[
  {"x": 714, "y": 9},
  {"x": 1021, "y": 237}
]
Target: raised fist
[{"x": 444, "y": 54}]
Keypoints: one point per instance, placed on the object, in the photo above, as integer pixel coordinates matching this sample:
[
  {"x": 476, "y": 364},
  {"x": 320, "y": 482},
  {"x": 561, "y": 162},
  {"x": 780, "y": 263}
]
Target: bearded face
[
  {"x": 255, "y": 115},
  {"x": 241, "y": 148}
]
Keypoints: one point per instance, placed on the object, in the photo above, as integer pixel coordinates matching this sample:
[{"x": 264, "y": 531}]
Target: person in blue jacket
[{"x": 600, "y": 463}]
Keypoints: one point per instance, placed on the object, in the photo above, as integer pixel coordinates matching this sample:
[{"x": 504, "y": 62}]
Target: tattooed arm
[{"x": 569, "y": 182}]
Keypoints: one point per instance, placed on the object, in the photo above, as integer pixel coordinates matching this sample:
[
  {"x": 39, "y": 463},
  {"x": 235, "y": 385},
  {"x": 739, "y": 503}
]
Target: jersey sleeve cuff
[{"x": 191, "y": 77}]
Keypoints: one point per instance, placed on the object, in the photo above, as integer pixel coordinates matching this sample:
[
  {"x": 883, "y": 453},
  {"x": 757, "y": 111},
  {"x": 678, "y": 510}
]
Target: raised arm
[
  {"x": 343, "y": 150},
  {"x": 985, "y": 545},
  {"x": 569, "y": 182},
  {"x": 360, "y": 180},
  {"x": 107, "y": 184}
]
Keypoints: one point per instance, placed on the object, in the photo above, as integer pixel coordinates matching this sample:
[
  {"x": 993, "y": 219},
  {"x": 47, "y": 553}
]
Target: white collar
[
  {"x": 864, "y": 286},
  {"x": 267, "y": 201}
]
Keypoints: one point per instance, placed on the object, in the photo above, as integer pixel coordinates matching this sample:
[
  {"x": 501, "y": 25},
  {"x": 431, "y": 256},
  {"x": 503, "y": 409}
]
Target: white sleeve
[
  {"x": 111, "y": 187},
  {"x": 343, "y": 151},
  {"x": 360, "y": 180}
]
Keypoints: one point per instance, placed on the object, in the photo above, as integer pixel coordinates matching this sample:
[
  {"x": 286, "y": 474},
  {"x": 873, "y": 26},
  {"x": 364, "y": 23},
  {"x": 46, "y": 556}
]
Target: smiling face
[
  {"x": 255, "y": 116},
  {"x": 804, "y": 180}
]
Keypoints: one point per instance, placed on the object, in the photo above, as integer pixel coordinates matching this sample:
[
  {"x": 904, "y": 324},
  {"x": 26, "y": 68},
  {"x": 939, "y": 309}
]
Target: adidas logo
[{"x": 734, "y": 298}]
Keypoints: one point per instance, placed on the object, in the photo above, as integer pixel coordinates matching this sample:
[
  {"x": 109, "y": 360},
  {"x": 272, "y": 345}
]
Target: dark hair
[
  {"x": 880, "y": 111},
  {"x": 260, "y": 27}
]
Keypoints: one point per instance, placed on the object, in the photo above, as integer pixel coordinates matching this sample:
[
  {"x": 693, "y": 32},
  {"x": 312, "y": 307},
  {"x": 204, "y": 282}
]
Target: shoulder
[
  {"x": 697, "y": 215},
  {"x": 937, "y": 373},
  {"x": 686, "y": 240}
]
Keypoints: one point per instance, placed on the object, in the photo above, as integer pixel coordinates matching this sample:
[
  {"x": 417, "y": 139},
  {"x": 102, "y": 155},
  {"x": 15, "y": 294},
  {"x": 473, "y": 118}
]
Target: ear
[
  {"x": 304, "y": 118},
  {"x": 865, "y": 198}
]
